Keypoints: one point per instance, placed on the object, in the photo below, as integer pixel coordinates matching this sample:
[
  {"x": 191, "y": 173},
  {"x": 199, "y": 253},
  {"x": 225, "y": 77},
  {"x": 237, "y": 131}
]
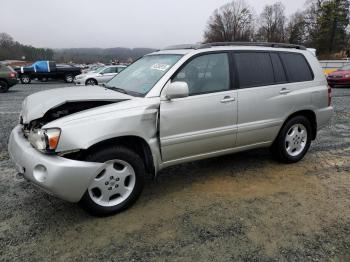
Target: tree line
[
  {"x": 323, "y": 25},
  {"x": 10, "y": 49}
]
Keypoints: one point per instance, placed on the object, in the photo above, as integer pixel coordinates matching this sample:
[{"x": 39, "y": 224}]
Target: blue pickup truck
[{"x": 44, "y": 70}]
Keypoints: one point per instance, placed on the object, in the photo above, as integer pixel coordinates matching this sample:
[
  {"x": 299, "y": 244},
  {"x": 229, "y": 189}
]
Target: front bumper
[
  {"x": 79, "y": 82},
  {"x": 64, "y": 178}
]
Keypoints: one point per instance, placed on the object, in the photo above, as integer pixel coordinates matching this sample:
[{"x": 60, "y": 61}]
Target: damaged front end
[
  {"x": 46, "y": 140},
  {"x": 63, "y": 110}
]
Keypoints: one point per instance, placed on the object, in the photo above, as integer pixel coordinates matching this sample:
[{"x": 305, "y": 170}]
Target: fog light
[{"x": 40, "y": 173}]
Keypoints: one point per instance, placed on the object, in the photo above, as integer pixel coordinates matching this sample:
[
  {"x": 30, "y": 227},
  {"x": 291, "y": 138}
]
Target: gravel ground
[{"x": 242, "y": 207}]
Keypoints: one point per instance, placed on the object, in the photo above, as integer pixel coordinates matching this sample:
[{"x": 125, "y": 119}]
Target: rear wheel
[
  {"x": 91, "y": 82},
  {"x": 69, "y": 78},
  {"x": 118, "y": 185},
  {"x": 3, "y": 86},
  {"x": 25, "y": 79},
  {"x": 293, "y": 141}
]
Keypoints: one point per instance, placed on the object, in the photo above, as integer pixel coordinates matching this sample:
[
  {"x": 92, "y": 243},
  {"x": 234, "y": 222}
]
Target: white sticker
[{"x": 160, "y": 67}]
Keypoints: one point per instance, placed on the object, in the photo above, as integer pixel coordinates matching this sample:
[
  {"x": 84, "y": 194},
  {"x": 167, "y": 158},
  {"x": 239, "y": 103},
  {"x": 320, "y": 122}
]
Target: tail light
[
  {"x": 329, "y": 95},
  {"x": 12, "y": 75}
]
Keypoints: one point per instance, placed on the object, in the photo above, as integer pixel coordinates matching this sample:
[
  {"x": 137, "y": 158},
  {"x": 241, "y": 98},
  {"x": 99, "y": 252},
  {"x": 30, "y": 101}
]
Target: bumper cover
[
  {"x": 64, "y": 178},
  {"x": 324, "y": 116}
]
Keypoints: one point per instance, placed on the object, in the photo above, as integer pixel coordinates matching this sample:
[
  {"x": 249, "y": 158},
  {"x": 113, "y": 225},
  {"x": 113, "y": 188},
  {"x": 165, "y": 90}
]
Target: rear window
[
  {"x": 254, "y": 69},
  {"x": 297, "y": 68},
  {"x": 280, "y": 75}
]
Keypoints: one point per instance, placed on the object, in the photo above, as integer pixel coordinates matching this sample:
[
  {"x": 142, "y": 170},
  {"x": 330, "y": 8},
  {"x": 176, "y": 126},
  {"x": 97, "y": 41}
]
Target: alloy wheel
[
  {"x": 113, "y": 184},
  {"x": 296, "y": 140}
]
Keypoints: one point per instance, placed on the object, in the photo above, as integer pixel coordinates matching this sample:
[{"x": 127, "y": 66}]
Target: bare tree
[
  {"x": 6, "y": 39},
  {"x": 273, "y": 23},
  {"x": 231, "y": 22},
  {"x": 297, "y": 29}
]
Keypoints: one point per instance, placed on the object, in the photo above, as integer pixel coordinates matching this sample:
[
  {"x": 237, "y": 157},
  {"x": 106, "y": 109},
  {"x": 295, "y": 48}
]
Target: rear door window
[
  {"x": 254, "y": 69},
  {"x": 297, "y": 68}
]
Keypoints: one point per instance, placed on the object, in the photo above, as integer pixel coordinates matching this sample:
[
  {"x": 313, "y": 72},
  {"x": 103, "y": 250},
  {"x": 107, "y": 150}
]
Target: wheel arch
[
  {"x": 310, "y": 115},
  {"x": 135, "y": 143}
]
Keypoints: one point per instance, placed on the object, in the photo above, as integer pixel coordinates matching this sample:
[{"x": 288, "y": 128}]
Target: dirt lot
[{"x": 242, "y": 207}]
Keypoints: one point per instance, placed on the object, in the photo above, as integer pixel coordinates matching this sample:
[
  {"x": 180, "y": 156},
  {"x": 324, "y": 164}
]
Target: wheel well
[
  {"x": 135, "y": 143},
  {"x": 311, "y": 116},
  {"x": 91, "y": 79}
]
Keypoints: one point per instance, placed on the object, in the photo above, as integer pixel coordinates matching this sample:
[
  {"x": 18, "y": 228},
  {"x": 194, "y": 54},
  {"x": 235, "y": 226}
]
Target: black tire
[
  {"x": 25, "y": 79},
  {"x": 116, "y": 153},
  {"x": 279, "y": 150},
  {"x": 69, "y": 78},
  {"x": 4, "y": 87},
  {"x": 91, "y": 82}
]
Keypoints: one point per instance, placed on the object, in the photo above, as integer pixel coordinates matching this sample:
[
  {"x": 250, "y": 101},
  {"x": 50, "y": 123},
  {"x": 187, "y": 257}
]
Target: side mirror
[{"x": 176, "y": 90}]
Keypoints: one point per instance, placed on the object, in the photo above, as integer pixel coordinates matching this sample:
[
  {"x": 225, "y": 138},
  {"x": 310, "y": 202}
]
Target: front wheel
[
  {"x": 293, "y": 141},
  {"x": 91, "y": 82},
  {"x": 118, "y": 185}
]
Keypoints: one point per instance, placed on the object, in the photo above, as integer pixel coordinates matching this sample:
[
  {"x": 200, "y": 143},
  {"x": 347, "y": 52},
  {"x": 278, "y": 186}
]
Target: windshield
[
  {"x": 142, "y": 75},
  {"x": 345, "y": 67}
]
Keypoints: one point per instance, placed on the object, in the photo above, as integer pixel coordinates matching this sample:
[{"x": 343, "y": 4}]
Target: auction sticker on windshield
[{"x": 160, "y": 67}]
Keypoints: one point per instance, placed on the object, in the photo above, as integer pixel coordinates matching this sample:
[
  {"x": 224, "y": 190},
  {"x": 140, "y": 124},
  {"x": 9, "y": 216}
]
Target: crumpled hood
[{"x": 36, "y": 105}]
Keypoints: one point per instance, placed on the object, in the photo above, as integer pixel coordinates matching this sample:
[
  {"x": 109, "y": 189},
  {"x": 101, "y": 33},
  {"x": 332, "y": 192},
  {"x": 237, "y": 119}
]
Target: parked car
[
  {"x": 95, "y": 145},
  {"x": 44, "y": 70},
  {"x": 8, "y": 78},
  {"x": 100, "y": 76},
  {"x": 93, "y": 67},
  {"x": 340, "y": 77}
]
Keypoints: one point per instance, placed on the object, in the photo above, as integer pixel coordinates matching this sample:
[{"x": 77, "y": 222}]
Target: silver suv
[{"x": 95, "y": 145}]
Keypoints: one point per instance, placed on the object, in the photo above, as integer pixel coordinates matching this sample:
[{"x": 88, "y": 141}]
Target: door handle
[
  {"x": 228, "y": 99},
  {"x": 285, "y": 91}
]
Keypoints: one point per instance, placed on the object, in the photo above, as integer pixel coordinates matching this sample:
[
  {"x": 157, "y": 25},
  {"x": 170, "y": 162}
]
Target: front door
[
  {"x": 205, "y": 121},
  {"x": 107, "y": 74}
]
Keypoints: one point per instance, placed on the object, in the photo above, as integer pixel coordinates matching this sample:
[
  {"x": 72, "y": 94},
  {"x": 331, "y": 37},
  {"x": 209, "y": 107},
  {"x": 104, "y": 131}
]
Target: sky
[{"x": 113, "y": 23}]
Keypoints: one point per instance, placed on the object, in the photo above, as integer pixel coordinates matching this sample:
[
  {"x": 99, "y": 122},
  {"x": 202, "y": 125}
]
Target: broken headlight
[{"x": 44, "y": 139}]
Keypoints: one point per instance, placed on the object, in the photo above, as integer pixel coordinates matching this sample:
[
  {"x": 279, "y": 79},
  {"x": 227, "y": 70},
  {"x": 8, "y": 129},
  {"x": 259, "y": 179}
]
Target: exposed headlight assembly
[{"x": 45, "y": 140}]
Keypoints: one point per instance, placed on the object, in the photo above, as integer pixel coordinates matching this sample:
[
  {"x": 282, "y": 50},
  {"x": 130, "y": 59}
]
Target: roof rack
[
  {"x": 209, "y": 45},
  {"x": 188, "y": 46},
  {"x": 264, "y": 44}
]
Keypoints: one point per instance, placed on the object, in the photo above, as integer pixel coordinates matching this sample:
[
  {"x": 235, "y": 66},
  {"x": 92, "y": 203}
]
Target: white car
[
  {"x": 100, "y": 76},
  {"x": 96, "y": 145}
]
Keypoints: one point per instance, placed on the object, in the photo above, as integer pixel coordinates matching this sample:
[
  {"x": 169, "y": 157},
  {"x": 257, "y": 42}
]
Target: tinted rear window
[
  {"x": 280, "y": 75},
  {"x": 254, "y": 69},
  {"x": 298, "y": 70}
]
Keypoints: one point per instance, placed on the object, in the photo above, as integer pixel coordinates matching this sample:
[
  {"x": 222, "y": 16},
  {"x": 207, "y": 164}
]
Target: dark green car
[{"x": 8, "y": 78}]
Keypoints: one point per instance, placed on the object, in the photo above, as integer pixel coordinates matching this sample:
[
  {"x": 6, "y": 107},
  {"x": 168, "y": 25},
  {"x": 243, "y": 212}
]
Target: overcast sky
[{"x": 113, "y": 23}]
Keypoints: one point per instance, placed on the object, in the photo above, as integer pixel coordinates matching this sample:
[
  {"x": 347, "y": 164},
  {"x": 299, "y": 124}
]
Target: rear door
[
  {"x": 107, "y": 74},
  {"x": 267, "y": 94},
  {"x": 205, "y": 121}
]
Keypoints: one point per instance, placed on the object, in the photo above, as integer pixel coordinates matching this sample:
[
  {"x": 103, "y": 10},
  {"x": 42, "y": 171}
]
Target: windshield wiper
[{"x": 120, "y": 90}]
